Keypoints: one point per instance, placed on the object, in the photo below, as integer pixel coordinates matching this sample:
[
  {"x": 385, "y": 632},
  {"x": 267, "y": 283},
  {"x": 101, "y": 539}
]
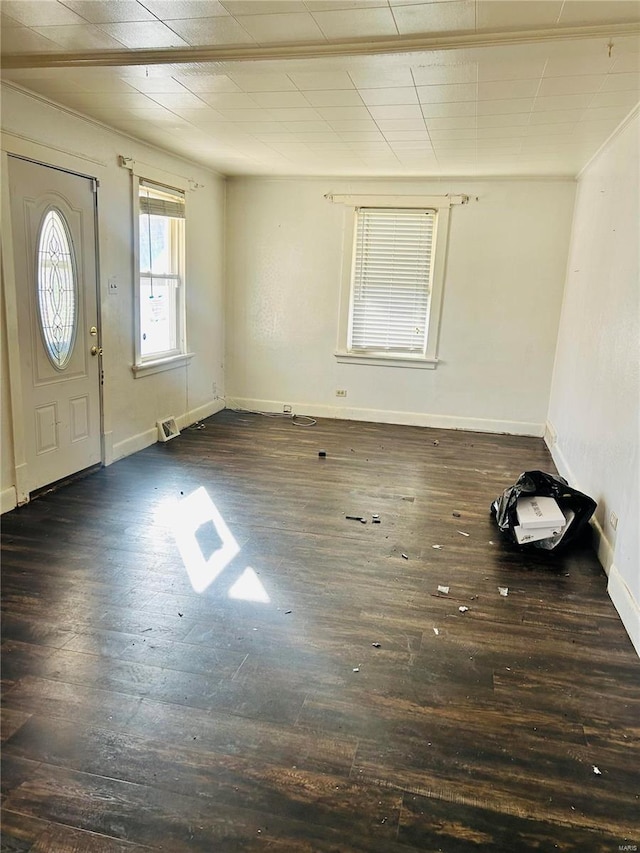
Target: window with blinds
[
  {"x": 161, "y": 257},
  {"x": 391, "y": 280}
]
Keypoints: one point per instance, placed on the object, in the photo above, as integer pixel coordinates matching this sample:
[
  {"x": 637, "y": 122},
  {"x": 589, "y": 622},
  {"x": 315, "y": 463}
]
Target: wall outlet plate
[
  {"x": 167, "y": 429},
  {"x": 286, "y": 409}
]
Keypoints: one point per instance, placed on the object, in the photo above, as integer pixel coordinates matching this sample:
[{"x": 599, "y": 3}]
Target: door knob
[{"x": 96, "y": 350}]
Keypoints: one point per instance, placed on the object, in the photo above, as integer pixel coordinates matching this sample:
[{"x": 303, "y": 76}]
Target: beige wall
[
  {"x": 503, "y": 290},
  {"x": 35, "y": 128},
  {"x": 595, "y": 399}
]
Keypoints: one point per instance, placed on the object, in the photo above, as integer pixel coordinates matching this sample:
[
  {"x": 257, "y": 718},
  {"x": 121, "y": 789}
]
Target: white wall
[
  {"x": 595, "y": 399},
  {"x": 503, "y": 290},
  {"x": 35, "y": 128}
]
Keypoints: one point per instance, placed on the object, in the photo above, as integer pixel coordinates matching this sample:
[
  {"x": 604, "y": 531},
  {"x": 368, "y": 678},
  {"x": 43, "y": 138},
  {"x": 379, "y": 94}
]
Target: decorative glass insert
[{"x": 57, "y": 288}]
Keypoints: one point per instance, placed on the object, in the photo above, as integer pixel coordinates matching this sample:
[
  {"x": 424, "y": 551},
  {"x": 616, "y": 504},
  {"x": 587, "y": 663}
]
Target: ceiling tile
[
  {"x": 583, "y": 84},
  {"x": 490, "y": 69},
  {"x": 265, "y": 7},
  {"x": 295, "y": 114},
  {"x": 449, "y": 122},
  {"x": 280, "y": 99},
  {"x": 627, "y": 63},
  {"x": 415, "y": 136},
  {"x": 211, "y": 31},
  {"x": 458, "y": 108},
  {"x": 41, "y": 13},
  {"x": 110, "y": 11},
  {"x": 444, "y": 94},
  {"x": 151, "y": 85},
  {"x": 562, "y": 102},
  {"x": 391, "y": 113},
  {"x": 306, "y": 81},
  {"x": 456, "y": 15},
  {"x": 516, "y": 105},
  {"x": 244, "y": 115},
  {"x": 298, "y": 127},
  {"x": 502, "y": 132},
  {"x": 344, "y": 113},
  {"x": 176, "y": 100},
  {"x": 599, "y": 11},
  {"x": 356, "y": 22},
  {"x": 614, "y": 99},
  {"x": 505, "y": 120},
  {"x": 317, "y": 136},
  {"x": 614, "y": 114},
  {"x": 353, "y": 125},
  {"x": 144, "y": 34},
  {"x": 268, "y": 82},
  {"x": 386, "y": 124},
  {"x": 454, "y": 133},
  {"x": 555, "y": 116},
  {"x": 548, "y": 130},
  {"x": 381, "y": 77},
  {"x": 334, "y": 98},
  {"x": 501, "y": 89},
  {"x": 361, "y": 135},
  {"x": 388, "y": 97},
  {"x": 436, "y": 75},
  {"x": 329, "y": 5},
  {"x": 572, "y": 67},
  {"x": 24, "y": 40},
  {"x": 168, "y": 10},
  {"x": 86, "y": 37},
  {"x": 229, "y": 100},
  {"x": 621, "y": 83},
  {"x": 268, "y": 29},
  {"x": 516, "y": 14}
]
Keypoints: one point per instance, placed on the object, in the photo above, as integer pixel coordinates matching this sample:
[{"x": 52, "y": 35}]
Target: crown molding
[{"x": 310, "y": 50}]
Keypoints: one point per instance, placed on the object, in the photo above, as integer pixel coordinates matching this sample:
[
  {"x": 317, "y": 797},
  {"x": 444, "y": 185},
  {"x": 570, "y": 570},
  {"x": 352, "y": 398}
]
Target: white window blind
[
  {"x": 391, "y": 283},
  {"x": 161, "y": 201}
]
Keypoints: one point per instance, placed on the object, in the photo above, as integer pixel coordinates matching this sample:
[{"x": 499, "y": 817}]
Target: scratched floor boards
[{"x": 319, "y": 694}]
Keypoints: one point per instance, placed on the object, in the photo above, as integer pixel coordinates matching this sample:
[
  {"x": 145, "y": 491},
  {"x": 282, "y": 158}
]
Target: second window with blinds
[{"x": 395, "y": 286}]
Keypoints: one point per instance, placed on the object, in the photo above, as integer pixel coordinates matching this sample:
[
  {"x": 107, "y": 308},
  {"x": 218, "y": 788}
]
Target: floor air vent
[{"x": 167, "y": 429}]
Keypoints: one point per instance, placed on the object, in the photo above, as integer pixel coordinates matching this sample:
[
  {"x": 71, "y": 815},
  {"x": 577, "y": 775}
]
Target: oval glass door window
[{"x": 57, "y": 288}]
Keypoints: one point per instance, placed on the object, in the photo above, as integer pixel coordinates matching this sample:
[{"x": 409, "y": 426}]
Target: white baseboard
[
  {"x": 619, "y": 593},
  {"x": 199, "y": 414},
  {"x": 626, "y": 605},
  {"x": 383, "y": 416},
  {"x": 145, "y": 439},
  {"x": 8, "y": 500}
]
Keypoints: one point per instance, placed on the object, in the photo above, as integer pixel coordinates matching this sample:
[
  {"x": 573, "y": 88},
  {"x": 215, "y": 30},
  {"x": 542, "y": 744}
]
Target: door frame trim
[{"x": 11, "y": 317}]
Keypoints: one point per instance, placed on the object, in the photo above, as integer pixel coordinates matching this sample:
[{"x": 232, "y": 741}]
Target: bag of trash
[{"x": 520, "y": 501}]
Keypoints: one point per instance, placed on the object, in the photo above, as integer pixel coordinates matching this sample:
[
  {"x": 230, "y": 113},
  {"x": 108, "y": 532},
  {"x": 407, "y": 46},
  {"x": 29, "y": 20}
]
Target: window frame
[
  {"x": 440, "y": 205},
  {"x": 144, "y": 365}
]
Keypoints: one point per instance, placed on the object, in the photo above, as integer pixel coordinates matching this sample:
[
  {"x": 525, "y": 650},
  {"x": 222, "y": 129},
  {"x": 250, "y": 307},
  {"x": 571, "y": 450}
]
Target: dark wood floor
[{"x": 357, "y": 709}]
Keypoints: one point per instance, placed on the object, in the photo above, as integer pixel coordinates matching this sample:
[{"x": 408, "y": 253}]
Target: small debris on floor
[
  {"x": 181, "y": 615},
  {"x": 356, "y": 669},
  {"x": 356, "y": 518},
  {"x": 375, "y": 519},
  {"x": 472, "y": 597},
  {"x": 456, "y": 514},
  {"x": 384, "y": 820},
  {"x": 463, "y": 608},
  {"x": 503, "y": 590},
  {"x": 597, "y": 770},
  {"x": 437, "y": 547},
  {"x": 322, "y": 454},
  {"x": 145, "y": 630},
  {"x": 444, "y": 589},
  {"x": 462, "y": 533},
  {"x": 376, "y": 645},
  {"x": 286, "y": 612},
  {"x": 436, "y": 443},
  {"x": 436, "y": 631},
  {"x": 405, "y": 556}
]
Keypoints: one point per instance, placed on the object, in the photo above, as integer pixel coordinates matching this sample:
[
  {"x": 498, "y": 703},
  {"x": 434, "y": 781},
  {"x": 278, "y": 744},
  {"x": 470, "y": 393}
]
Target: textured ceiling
[{"x": 340, "y": 87}]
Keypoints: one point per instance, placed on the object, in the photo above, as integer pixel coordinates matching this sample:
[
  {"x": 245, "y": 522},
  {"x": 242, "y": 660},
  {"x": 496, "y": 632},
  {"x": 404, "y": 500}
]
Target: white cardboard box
[
  {"x": 535, "y": 511},
  {"x": 534, "y": 534}
]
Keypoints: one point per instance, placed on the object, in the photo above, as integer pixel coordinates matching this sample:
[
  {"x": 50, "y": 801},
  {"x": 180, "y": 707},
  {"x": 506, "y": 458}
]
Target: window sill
[
  {"x": 158, "y": 365},
  {"x": 382, "y": 360}
]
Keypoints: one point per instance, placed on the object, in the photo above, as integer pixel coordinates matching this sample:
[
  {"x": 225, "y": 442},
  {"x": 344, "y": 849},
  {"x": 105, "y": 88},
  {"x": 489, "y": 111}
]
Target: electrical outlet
[
  {"x": 286, "y": 410},
  {"x": 341, "y": 393},
  {"x": 613, "y": 520}
]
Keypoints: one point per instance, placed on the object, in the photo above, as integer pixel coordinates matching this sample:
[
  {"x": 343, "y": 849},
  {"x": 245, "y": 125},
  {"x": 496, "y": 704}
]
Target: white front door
[{"x": 54, "y": 240}]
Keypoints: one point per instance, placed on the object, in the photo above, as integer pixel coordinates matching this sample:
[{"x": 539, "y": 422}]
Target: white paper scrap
[
  {"x": 462, "y": 533},
  {"x": 437, "y": 546},
  {"x": 444, "y": 589},
  {"x": 463, "y": 609},
  {"x": 436, "y": 631},
  {"x": 503, "y": 590},
  {"x": 597, "y": 770}
]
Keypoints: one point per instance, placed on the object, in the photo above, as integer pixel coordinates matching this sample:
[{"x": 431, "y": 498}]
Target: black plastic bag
[{"x": 570, "y": 500}]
